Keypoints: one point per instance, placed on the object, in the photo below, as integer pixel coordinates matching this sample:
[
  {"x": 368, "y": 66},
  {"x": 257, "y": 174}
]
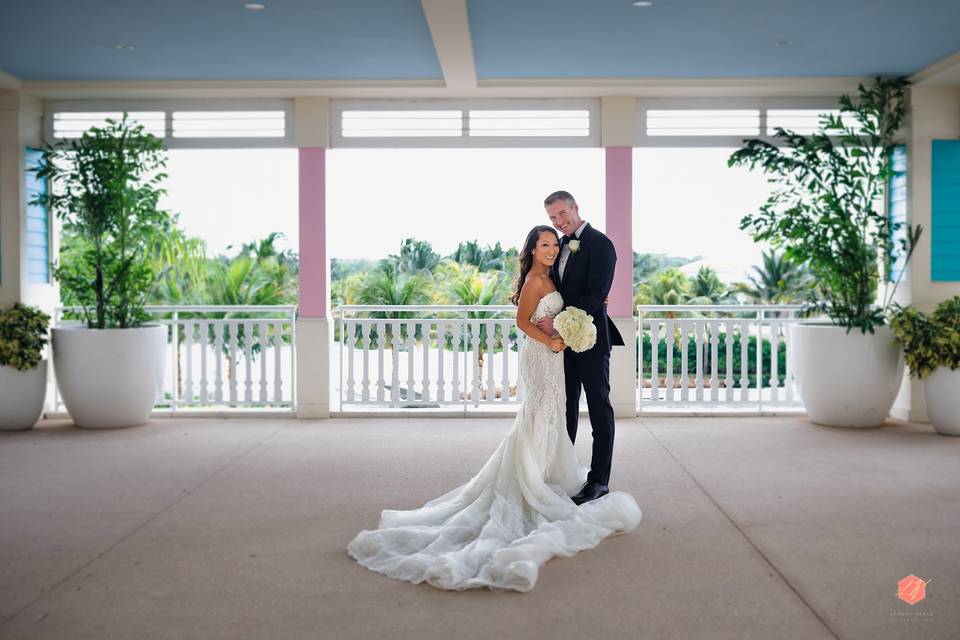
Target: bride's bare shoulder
[{"x": 539, "y": 284}]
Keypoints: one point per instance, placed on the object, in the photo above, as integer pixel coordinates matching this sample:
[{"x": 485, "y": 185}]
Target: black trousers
[{"x": 591, "y": 371}]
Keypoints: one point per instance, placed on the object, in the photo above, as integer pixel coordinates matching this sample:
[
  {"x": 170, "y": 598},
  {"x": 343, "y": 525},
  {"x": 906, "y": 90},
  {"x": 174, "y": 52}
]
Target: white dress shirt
[{"x": 565, "y": 252}]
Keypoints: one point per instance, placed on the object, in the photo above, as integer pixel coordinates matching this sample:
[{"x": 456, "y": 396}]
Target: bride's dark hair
[{"x": 526, "y": 257}]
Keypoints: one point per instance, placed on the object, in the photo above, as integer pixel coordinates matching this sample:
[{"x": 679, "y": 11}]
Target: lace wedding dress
[{"x": 500, "y": 527}]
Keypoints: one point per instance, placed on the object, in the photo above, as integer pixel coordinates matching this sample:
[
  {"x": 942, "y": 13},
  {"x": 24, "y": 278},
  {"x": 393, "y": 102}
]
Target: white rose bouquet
[{"x": 576, "y": 328}]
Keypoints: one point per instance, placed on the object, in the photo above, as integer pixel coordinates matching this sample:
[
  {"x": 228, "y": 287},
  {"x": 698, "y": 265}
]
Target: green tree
[
  {"x": 646, "y": 264},
  {"x": 107, "y": 193},
  {"x": 708, "y": 286},
  {"x": 416, "y": 257},
  {"x": 669, "y": 286},
  {"x": 475, "y": 288},
  {"x": 778, "y": 280},
  {"x": 488, "y": 258},
  {"x": 827, "y": 210},
  {"x": 181, "y": 262},
  {"x": 341, "y": 268},
  {"x": 387, "y": 286}
]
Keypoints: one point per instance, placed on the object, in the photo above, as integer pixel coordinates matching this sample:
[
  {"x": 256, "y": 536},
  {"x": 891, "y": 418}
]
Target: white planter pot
[
  {"x": 941, "y": 390},
  {"x": 21, "y": 396},
  {"x": 109, "y": 377},
  {"x": 845, "y": 379}
]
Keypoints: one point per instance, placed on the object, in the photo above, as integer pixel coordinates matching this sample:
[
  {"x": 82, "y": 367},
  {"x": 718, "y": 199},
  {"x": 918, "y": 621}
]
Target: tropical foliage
[
  {"x": 23, "y": 334},
  {"x": 646, "y": 264},
  {"x": 778, "y": 280},
  {"x": 827, "y": 209},
  {"x": 107, "y": 188},
  {"x": 671, "y": 287},
  {"x": 929, "y": 341}
]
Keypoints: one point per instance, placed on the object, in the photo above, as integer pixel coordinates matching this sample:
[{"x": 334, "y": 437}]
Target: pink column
[
  {"x": 620, "y": 228},
  {"x": 313, "y": 233}
]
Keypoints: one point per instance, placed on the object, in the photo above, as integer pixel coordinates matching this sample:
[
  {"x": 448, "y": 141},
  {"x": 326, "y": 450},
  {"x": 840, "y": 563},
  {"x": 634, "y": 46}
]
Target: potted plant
[
  {"x": 827, "y": 212},
  {"x": 23, "y": 371},
  {"x": 931, "y": 344},
  {"x": 106, "y": 188}
]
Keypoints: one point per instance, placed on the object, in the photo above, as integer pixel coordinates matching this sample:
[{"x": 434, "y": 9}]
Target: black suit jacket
[{"x": 586, "y": 283}]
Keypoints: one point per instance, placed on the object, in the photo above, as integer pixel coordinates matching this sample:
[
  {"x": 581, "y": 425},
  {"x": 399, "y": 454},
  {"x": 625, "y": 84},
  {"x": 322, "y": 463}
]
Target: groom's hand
[{"x": 546, "y": 325}]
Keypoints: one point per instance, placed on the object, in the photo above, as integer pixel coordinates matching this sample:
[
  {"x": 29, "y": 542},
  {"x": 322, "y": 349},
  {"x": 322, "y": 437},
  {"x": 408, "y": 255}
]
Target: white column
[
  {"x": 618, "y": 126},
  {"x": 314, "y": 335}
]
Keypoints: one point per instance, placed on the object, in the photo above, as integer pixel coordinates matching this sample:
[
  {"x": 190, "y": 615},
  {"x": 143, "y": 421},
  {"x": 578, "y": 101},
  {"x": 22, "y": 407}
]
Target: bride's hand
[{"x": 557, "y": 344}]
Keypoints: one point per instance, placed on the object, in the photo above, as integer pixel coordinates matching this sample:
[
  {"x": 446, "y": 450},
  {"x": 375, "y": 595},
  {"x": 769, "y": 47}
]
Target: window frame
[
  {"x": 731, "y": 141},
  {"x": 465, "y": 140},
  {"x": 169, "y": 106}
]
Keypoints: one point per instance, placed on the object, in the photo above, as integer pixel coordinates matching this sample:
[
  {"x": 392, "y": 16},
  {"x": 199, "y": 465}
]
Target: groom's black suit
[{"x": 587, "y": 277}]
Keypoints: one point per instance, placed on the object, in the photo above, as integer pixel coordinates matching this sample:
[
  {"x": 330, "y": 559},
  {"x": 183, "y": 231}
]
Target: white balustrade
[
  {"x": 447, "y": 356},
  {"x": 467, "y": 356},
  {"x": 718, "y": 335},
  {"x": 206, "y": 344}
]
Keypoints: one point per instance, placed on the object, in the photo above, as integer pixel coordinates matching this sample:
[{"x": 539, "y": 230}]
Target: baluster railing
[
  {"x": 445, "y": 356},
  {"x": 719, "y": 335},
  {"x": 198, "y": 334}
]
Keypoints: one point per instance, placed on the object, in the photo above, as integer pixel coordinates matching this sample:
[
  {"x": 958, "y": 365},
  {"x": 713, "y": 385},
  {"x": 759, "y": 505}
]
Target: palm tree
[
  {"x": 779, "y": 280},
  {"x": 181, "y": 262},
  {"x": 416, "y": 256},
  {"x": 346, "y": 290},
  {"x": 708, "y": 286},
  {"x": 670, "y": 287},
  {"x": 484, "y": 258},
  {"x": 257, "y": 275},
  {"x": 387, "y": 286},
  {"x": 471, "y": 287},
  {"x": 644, "y": 266}
]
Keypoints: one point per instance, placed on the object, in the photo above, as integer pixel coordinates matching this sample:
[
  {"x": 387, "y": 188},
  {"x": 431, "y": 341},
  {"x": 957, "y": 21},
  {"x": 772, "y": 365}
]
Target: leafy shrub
[
  {"x": 929, "y": 341},
  {"x": 23, "y": 334}
]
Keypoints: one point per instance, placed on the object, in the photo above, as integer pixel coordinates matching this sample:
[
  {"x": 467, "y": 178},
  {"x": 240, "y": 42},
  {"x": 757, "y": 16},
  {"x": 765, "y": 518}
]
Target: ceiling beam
[
  {"x": 942, "y": 72},
  {"x": 434, "y": 89},
  {"x": 450, "y": 28},
  {"x": 8, "y": 81}
]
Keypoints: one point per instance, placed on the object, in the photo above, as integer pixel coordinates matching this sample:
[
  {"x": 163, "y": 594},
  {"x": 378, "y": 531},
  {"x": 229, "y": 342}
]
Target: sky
[{"x": 686, "y": 201}]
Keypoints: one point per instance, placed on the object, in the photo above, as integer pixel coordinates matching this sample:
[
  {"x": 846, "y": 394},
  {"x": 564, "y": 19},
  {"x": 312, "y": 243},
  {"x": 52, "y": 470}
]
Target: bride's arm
[{"x": 530, "y": 295}]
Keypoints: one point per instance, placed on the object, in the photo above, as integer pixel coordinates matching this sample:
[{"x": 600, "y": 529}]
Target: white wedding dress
[{"x": 500, "y": 527}]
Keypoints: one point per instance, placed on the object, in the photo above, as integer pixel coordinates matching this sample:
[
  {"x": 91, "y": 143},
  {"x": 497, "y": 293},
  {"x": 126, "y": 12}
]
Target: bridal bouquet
[{"x": 576, "y": 328}]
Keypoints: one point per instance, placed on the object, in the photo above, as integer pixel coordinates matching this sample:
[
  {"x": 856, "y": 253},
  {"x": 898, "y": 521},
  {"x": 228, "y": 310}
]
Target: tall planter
[
  {"x": 108, "y": 378},
  {"x": 825, "y": 212},
  {"x": 845, "y": 380},
  {"x": 106, "y": 188}
]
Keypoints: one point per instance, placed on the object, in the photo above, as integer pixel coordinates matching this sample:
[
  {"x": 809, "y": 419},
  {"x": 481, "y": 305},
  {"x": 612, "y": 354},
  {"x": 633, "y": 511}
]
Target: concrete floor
[{"x": 769, "y": 528}]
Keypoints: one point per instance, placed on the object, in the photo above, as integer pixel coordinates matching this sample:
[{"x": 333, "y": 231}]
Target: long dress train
[{"x": 500, "y": 527}]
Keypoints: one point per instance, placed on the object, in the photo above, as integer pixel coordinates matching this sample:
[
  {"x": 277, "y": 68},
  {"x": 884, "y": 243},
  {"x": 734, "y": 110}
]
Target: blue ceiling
[
  {"x": 216, "y": 40},
  {"x": 389, "y": 39},
  {"x": 711, "y": 38}
]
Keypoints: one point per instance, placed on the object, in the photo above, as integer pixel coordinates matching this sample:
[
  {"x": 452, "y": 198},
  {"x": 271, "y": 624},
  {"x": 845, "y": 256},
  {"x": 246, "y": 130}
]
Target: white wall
[{"x": 934, "y": 114}]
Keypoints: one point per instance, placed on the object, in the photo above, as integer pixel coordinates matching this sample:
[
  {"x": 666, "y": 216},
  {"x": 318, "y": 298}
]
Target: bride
[{"x": 500, "y": 527}]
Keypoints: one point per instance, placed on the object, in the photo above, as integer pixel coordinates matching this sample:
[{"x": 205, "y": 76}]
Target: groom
[{"x": 583, "y": 275}]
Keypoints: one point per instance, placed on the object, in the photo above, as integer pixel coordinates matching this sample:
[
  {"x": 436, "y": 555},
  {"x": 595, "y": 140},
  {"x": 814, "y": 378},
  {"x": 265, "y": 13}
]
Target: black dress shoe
[{"x": 590, "y": 491}]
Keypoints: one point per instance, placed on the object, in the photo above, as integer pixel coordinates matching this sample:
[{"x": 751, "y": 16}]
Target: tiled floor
[{"x": 767, "y": 528}]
